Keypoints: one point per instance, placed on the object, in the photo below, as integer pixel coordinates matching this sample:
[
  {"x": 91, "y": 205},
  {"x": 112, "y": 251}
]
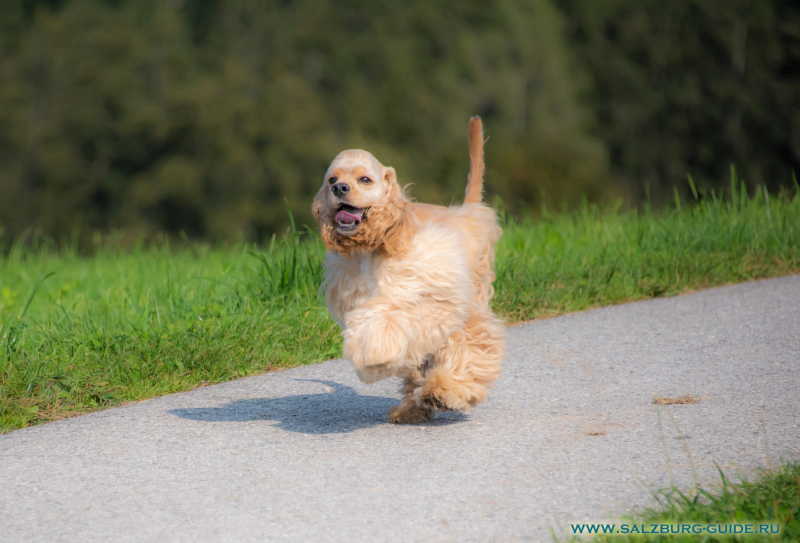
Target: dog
[{"x": 409, "y": 283}]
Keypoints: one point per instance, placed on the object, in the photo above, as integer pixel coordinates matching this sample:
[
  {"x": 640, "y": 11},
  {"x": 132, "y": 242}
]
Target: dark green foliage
[
  {"x": 692, "y": 86},
  {"x": 206, "y": 117}
]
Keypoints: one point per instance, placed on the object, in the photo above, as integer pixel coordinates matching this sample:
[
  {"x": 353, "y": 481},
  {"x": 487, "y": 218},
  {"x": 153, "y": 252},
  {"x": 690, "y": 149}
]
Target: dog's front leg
[
  {"x": 375, "y": 337},
  {"x": 382, "y": 336}
]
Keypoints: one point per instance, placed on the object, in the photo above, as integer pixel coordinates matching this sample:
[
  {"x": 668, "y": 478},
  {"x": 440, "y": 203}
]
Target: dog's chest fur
[
  {"x": 436, "y": 266},
  {"x": 350, "y": 282}
]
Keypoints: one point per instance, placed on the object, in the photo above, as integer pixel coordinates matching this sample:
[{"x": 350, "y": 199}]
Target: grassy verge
[
  {"x": 569, "y": 262},
  {"x": 77, "y": 334},
  {"x": 772, "y": 499}
]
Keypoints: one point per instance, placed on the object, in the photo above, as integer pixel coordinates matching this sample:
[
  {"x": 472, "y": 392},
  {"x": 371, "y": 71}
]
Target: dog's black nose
[{"x": 340, "y": 189}]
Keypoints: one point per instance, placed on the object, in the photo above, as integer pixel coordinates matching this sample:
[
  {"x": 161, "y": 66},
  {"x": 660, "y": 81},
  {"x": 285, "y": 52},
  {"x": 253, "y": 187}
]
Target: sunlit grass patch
[
  {"x": 130, "y": 325},
  {"x": 594, "y": 257},
  {"x": 80, "y": 333},
  {"x": 772, "y": 498}
]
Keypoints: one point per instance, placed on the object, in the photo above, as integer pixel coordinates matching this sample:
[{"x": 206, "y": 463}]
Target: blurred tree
[
  {"x": 692, "y": 86},
  {"x": 206, "y": 117},
  {"x": 402, "y": 78}
]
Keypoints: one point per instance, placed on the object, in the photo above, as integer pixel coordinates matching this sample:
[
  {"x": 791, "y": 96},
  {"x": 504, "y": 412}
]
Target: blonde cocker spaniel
[{"x": 409, "y": 283}]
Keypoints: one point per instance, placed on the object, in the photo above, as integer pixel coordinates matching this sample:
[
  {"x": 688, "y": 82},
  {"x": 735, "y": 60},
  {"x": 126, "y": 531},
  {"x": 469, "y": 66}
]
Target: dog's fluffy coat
[{"x": 410, "y": 283}]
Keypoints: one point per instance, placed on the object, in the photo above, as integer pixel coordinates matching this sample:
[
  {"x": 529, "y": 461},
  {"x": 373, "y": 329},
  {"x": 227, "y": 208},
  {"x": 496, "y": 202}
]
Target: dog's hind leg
[
  {"x": 408, "y": 412},
  {"x": 464, "y": 367}
]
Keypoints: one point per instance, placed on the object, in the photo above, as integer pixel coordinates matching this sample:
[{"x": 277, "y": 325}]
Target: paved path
[{"x": 570, "y": 434}]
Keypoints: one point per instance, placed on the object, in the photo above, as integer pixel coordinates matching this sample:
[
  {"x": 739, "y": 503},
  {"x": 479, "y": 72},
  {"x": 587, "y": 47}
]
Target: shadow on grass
[{"x": 339, "y": 411}]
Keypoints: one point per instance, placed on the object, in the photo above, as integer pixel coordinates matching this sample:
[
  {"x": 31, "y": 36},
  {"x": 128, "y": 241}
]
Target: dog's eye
[
  {"x": 333, "y": 180},
  {"x": 365, "y": 180}
]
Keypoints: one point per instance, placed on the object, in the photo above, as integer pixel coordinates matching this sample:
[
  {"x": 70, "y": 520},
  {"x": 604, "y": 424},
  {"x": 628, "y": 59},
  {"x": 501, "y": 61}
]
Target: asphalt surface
[{"x": 570, "y": 434}]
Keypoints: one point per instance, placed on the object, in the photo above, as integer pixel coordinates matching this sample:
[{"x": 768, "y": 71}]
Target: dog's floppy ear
[
  {"x": 325, "y": 220},
  {"x": 390, "y": 176},
  {"x": 395, "y": 196},
  {"x": 318, "y": 205},
  {"x": 390, "y": 217}
]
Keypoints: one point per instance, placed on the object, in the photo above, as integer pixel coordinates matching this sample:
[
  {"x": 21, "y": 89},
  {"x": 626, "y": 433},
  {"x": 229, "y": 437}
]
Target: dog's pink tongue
[{"x": 345, "y": 217}]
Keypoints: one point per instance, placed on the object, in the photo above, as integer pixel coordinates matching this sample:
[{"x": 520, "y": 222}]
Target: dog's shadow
[{"x": 339, "y": 411}]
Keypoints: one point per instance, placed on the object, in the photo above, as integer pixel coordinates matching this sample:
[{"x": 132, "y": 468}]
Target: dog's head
[{"x": 360, "y": 206}]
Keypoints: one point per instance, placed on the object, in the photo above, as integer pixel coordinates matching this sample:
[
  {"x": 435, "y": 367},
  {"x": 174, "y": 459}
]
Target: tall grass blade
[{"x": 692, "y": 186}]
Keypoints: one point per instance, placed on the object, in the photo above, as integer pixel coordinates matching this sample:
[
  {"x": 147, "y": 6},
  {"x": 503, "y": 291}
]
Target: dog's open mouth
[{"x": 348, "y": 217}]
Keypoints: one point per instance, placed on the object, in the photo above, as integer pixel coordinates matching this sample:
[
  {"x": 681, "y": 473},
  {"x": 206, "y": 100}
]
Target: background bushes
[{"x": 208, "y": 117}]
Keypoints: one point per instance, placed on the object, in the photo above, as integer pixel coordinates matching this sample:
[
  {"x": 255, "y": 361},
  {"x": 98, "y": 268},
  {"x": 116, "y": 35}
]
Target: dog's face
[
  {"x": 360, "y": 203},
  {"x": 355, "y": 181}
]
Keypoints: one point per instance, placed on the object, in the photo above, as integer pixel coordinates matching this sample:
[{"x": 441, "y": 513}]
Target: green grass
[
  {"x": 572, "y": 261},
  {"x": 122, "y": 326},
  {"x": 773, "y": 498},
  {"x": 81, "y": 333}
]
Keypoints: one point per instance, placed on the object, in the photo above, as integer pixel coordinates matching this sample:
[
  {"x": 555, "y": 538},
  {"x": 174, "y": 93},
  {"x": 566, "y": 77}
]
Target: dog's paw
[
  {"x": 409, "y": 414},
  {"x": 440, "y": 392}
]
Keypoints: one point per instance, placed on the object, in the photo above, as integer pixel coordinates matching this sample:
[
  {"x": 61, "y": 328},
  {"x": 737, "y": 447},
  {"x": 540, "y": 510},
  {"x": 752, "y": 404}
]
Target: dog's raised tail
[{"x": 476, "y": 164}]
